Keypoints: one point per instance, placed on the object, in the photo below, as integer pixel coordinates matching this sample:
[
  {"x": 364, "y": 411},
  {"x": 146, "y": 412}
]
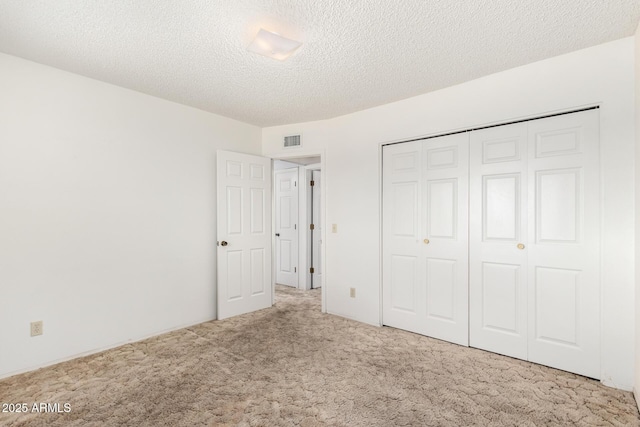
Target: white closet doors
[
  {"x": 425, "y": 223},
  {"x": 498, "y": 212},
  {"x": 526, "y": 281},
  {"x": 535, "y": 241},
  {"x": 564, "y": 243},
  {"x": 444, "y": 257},
  {"x": 402, "y": 290}
]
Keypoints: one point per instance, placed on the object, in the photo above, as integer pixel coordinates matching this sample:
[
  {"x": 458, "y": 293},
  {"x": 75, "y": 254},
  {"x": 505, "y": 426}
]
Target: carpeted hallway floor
[{"x": 292, "y": 365}]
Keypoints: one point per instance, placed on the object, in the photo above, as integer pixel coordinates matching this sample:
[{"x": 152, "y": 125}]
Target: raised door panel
[
  {"x": 404, "y": 219},
  {"x": 257, "y": 172},
  {"x": 562, "y": 141},
  {"x": 258, "y": 262},
  {"x": 501, "y": 211},
  {"x": 403, "y": 163},
  {"x": 557, "y": 293},
  {"x": 235, "y": 272},
  {"x": 500, "y": 149},
  {"x": 404, "y": 283},
  {"x": 441, "y": 286},
  {"x": 284, "y": 260},
  {"x": 442, "y": 202},
  {"x": 498, "y": 201},
  {"x": 501, "y": 288},
  {"x": 286, "y": 222},
  {"x": 257, "y": 211},
  {"x": 443, "y": 157},
  {"x": 233, "y": 169},
  {"x": 234, "y": 210},
  {"x": 558, "y": 203}
]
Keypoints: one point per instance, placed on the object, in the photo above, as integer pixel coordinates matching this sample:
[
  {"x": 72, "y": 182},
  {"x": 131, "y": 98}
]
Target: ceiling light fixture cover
[{"x": 273, "y": 45}]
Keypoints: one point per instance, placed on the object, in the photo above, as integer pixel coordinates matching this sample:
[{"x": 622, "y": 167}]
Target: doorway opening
[
  {"x": 298, "y": 220},
  {"x": 314, "y": 242},
  {"x": 286, "y": 218}
]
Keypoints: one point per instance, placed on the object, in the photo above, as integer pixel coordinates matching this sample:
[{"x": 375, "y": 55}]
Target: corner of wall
[{"x": 636, "y": 387}]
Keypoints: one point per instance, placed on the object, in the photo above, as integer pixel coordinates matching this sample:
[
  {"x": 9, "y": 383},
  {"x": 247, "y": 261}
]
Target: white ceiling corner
[{"x": 355, "y": 54}]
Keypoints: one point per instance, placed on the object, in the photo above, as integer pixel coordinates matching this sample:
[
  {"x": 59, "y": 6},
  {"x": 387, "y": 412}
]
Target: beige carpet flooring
[{"x": 291, "y": 365}]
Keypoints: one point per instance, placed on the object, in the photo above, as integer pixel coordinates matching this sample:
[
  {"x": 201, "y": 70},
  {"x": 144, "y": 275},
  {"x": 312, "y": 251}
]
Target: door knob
[
  {"x": 520, "y": 246},
  {"x": 224, "y": 243},
  {"x": 426, "y": 241},
  {"x": 277, "y": 234}
]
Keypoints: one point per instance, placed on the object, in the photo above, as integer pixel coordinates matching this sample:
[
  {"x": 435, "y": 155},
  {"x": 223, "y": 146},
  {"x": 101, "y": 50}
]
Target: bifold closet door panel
[
  {"x": 564, "y": 242},
  {"x": 425, "y": 237},
  {"x": 403, "y": 295},
  {"x": 444, "y": 254},
  {"x": 498, "y": 240}
]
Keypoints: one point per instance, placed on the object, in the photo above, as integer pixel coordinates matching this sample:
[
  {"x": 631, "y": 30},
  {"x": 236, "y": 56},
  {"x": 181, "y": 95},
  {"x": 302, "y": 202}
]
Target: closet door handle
[
  {"x": 426, "y": 241},
  {"x": 520, "y": 246}
]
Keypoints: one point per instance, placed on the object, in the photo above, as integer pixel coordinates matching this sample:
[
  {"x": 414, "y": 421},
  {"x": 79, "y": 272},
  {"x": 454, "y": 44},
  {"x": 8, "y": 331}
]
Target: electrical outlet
[
  {"x": 36, "y": 328},
  {"x": 352, "y": 292},
  {"x": 334, "y": 228}
]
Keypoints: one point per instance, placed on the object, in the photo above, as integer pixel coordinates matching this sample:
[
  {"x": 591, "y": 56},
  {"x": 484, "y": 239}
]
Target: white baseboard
[{"x": 98, "y": 350}]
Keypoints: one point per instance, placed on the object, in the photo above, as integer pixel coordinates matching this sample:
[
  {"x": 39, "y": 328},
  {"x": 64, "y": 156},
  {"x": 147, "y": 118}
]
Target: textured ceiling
[{"x": 356, "y": 54}]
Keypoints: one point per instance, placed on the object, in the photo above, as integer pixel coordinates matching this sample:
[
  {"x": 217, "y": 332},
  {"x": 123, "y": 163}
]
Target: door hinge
[
  {"x": 295, "y": 226},
  {"x": 312, "y": 227},
  {"x": 295, "y": 269},
  {"x": 311, "y": 270},
  {"x": 295, "y": 183},
  {"x": 312, "y": 183}
]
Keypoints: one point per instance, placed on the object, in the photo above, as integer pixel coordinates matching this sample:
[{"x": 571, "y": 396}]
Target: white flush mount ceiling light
[{"x": 273, "y": 45}]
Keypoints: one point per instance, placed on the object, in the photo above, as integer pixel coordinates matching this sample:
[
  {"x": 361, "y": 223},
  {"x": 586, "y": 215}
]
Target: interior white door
[
  {"x": 497, "y": 226},
  {"x": 286, "y": 192},
  {"x": 244, "y": 233},
  {"x": 564, "y": 242},
  {"x": 403, "y": 290},
  {"x": 445, "y": 246},
  {"x": 316, "y": 241},
  {"x": 425, "y": 237}
]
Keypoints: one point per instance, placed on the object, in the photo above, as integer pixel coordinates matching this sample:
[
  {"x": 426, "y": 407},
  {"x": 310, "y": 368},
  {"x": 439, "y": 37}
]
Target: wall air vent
[{"x": 292, "y": 141}]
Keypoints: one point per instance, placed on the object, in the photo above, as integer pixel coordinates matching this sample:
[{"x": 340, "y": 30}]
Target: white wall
[
  {"x": 107, "y": 213},
  {"x": 599, "y": 75}
]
